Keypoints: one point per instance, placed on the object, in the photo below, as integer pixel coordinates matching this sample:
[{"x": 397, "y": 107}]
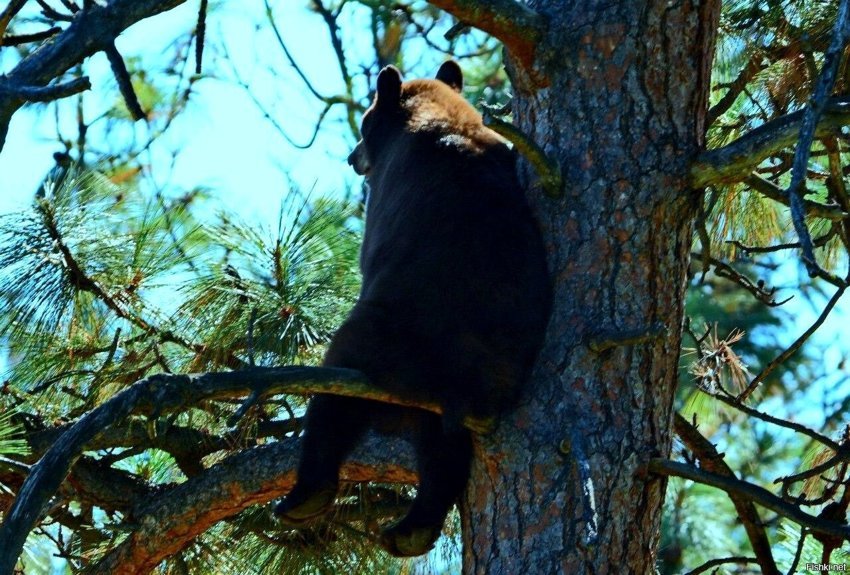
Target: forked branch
[{"x": 165, "y": 393}]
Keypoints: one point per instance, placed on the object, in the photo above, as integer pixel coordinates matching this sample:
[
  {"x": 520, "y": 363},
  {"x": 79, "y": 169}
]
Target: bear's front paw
[
  {"x": 405, "y": 540},
  {"x": 304, "y": 504}
]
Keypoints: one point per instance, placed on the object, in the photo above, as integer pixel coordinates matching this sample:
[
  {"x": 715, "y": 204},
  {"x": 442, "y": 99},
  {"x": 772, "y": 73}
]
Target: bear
[{"x": 454, "y": 302}]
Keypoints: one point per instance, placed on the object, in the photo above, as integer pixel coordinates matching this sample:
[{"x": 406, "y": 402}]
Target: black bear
[{"x": 454, "y": 302}]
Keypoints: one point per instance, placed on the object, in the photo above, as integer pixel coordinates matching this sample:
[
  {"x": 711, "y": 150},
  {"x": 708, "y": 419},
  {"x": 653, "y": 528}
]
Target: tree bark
[{"x": 561, "y": 486}]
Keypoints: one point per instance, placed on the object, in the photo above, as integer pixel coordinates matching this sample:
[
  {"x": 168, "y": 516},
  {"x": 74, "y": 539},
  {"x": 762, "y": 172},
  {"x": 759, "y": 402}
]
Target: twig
[
  {"x": 811, "y": 117},
  {"x": 125, "y": 85},
  {"x": 200, "y": 34},
  {"x": 723, "y": 561},
  {"x": 769, "y": 189},
  {"x": 18, "y": 39},
  {"x": 757, "y": 289},
  {"x": 8, "y": 13},
  {"x": 799, "y": 552},
  {"x": 799, "y": 428},
  {"x": 548, "y": 169},
  {"x": 755, "y": 493},
  {"x": 792, "y": 349}
]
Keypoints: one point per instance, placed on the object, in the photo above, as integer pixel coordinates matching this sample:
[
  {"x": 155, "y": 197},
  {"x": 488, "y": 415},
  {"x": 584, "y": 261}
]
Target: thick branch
[
  {"x": 515, "y": 24},
  {"x": 754, "y": 493},
  {"x": 251, "y": 477},
  {"x": 735, "y": 161},
  {"x": 90, "y": 31},
  {"x": 162, "y": 393}
]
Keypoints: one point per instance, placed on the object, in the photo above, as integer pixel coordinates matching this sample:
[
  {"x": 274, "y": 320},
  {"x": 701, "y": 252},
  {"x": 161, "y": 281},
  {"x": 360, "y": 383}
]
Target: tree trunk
[{"x": 561, "y": 486}]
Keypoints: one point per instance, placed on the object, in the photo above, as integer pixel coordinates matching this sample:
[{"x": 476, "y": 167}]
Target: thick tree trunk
[{"x": 561, "y": 486}]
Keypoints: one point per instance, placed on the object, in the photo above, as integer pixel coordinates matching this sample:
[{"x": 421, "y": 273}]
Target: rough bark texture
[{"x": 624, "y": 114}]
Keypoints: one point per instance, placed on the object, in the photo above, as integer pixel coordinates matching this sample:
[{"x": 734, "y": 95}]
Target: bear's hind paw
[
  {"x": 302, "y": 506},
  {"x": 402, "y": 540}
]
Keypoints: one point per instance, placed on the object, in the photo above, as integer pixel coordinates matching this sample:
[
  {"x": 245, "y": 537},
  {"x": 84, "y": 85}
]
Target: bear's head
[{"x": 424, "y": 108}]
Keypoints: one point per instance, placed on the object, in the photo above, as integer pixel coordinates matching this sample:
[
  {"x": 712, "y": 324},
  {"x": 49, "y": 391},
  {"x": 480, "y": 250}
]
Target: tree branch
[
  {"x": 792, "y": 349},
  {"x": 250, "y": 477},
  {"x": 754, "y": 493},
  {"x": 712, "y": 461},
  {"x": 90, "y": 31},
  {"x": 45, "y": 93},
  {"x": 518, "y": 27},
  {"x": 735, "y": 161},
  {"x": 162, "y": 393},
  {"x": 811, "y": 117},
  {"x": 770, "y": 190}
]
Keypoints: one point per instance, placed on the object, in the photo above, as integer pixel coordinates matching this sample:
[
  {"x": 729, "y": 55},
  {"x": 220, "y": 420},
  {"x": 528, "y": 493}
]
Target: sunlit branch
[
  {"x": 250, "y": 477},
  {"x": 515, "y": 24},
  {"x": 737, "y": 160}
]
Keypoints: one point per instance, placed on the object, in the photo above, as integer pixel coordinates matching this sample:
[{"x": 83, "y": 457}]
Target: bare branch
[
  {"x": 200, "y": 34},
  {"x": 792, "y": 349},
  {"x": 755, "y": 493},
  {"x": 251, "y": 477},
  {"x": 757, "y": 289},
  {"x": 8, "y": 13},
  {"x": 799, "y": 428},
  {"x": 712, "y": 461},
  {"x": 163, "y": 393},
  {"x": 515, "y": 24},
  {"x": 735, "y": 161},
  {"x": 45, "y": 93},
  {"x": 19, "y": 39}
]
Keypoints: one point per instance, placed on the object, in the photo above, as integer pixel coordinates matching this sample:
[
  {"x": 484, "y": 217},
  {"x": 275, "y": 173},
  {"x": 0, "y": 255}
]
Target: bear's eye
[{"x": 366, "y": 125}]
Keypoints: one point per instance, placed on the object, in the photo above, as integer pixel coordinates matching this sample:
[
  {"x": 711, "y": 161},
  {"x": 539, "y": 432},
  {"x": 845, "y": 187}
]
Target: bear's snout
[{"x": 357, "y": 159}]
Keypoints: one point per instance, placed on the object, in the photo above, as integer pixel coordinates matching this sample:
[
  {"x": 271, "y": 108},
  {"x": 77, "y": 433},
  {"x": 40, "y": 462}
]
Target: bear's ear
[
  {"x": 389, "y": 86},
  {"x": 451, "y": 74}
]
